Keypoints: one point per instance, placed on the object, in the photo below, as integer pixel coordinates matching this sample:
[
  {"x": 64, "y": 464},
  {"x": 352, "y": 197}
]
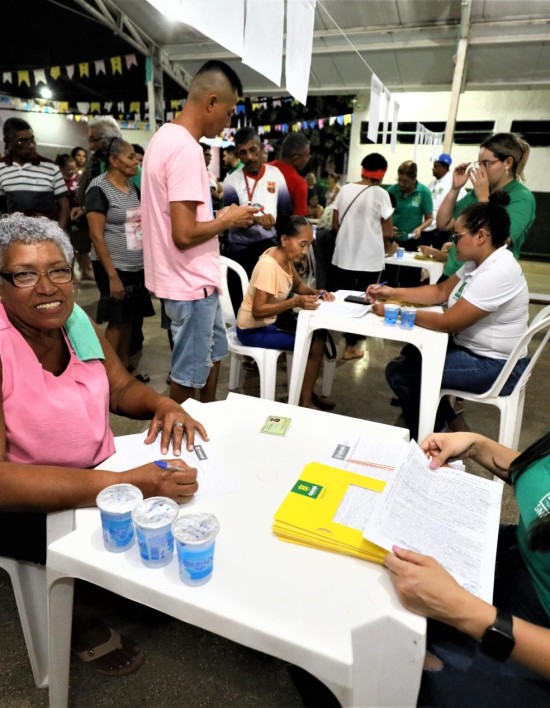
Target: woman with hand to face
[
  {"x": 59, "y": 379},
  {"x": 487, "y": 313},
  {"x": 501, "y": 162},
  {"x": 497, "y": 655},
  {"x": 269, "y": 294}
]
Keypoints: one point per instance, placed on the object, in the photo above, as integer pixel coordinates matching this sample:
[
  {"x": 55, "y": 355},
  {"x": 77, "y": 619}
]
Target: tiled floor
[{"x": 186, "y": 665}]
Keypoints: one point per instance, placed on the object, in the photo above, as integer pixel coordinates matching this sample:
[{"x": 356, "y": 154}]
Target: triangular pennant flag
[
  {"x": 23, "y": 78},
  {"x": 347, "y": 119},
  {"x": 83, "y": 107},
  {"x": 116, "y": 65},
  {"x": 39, "y": 76},
  {"x": 99, "y": 65},
  {"x": 84, "y": 69},
  {"x": 55, "y": 72},
  {"x": 95, "y": 107},
  {"x": 108, "y": 105},
  {"x": 70, "y": 70},
  {"x": 63, "y": 106},
  {"x": 6, "y": 77},
  {"x": 175, "y": 104},
  {"x": 135, "y": 107},
  {"x": 131, "y": 60},
  {"x": 120, "y": 106}
]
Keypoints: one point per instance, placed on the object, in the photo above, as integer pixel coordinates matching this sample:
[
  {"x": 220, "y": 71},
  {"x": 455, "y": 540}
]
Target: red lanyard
[{"x": 249, "y": 192}]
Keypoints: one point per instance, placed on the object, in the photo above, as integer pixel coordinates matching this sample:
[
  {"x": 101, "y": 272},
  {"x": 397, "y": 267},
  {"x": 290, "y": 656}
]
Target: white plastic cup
[
  {"x": 115, "y": 504},
  {"x": 153, "y": 519},
  {"x": 195, "y": 536},
  {"x": 391, "y": 313},
  {"x": 408, "y": 317}
]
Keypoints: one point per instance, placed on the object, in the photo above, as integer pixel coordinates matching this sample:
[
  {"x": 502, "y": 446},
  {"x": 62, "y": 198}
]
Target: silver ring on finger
[{"x": 179, "y": 424}]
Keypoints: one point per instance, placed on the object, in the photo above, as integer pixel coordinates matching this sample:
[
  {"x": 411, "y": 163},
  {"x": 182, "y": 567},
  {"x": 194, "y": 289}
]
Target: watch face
[{"x": 497, "y": 644}]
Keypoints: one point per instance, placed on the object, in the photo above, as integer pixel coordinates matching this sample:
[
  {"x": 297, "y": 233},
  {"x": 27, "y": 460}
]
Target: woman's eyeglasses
[
  {"x": 455, "y": 236},
  {"x": 29, "y": 278},
  {"x": 484, "y": 163}
]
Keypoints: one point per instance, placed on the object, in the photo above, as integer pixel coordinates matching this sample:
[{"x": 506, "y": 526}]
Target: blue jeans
[
  {"x": 469, "y": 677},
  {"x": 463, "y": 371},
  {"x": 199, "y": 338},
  {"x": 268, "y": 337}
]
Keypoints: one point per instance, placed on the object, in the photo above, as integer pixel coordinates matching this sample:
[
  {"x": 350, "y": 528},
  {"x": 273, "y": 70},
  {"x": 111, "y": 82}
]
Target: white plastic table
[
  {"x": 432, "y": 346},
  {"x": 336, "y": 616},
  {"x": 434, "y": 268}
]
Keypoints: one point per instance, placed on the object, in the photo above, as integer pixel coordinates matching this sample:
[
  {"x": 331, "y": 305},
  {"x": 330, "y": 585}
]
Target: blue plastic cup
[
  {"x": 391, "y": 313},
  {"x": 408, "y": 317},
  {"x": 116, "y": 504},
  {"x": 153, "y": 520},
  {"x": 195, "y": 536},
  {"x": 400, "y": 252}
]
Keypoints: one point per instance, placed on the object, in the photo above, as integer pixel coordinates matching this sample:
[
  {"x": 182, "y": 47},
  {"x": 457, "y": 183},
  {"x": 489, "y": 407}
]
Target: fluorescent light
[{"x": 46, "y": 92}]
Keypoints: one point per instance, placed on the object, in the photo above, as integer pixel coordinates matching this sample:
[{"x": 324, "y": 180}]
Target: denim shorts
[{"x": 199, "y": 338}]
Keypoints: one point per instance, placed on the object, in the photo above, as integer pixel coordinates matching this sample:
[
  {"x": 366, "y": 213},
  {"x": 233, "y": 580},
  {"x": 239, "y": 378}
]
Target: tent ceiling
[{"x": 409, "y": 44}]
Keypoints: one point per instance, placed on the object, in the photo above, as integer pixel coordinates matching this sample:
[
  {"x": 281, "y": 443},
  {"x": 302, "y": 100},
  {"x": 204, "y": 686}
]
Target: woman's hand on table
[
  {"x": 425, "y": 587},
  {"x": 375, "y": 292},
  {"x": 306, "y": 302},
  {"x": 378, "y": 308},
  {"x": 179, "y": 484},
  {"x": 324, "y": 295},
  {"x": 172, "y": 422}
]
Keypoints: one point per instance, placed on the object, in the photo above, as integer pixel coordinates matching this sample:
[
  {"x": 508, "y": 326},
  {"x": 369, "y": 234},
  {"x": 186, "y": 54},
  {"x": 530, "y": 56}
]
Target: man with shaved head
[{"x": 180, "y": 232}]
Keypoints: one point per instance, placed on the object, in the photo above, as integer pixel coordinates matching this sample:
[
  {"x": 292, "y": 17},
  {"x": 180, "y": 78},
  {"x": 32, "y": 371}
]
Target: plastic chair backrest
[
  {"x": 228, "y": 314},
  {"x": 539, "y": 323}
]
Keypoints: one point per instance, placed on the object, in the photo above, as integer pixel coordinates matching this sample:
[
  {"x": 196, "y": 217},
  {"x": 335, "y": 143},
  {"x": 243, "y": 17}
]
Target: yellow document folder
[{"x": 325, "y": 509}]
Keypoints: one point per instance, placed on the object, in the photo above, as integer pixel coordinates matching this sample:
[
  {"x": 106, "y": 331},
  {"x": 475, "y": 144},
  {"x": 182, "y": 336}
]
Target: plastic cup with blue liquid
[
  {"x": 115, "y": 504},
  {"x": 153, "y": 520},
  {"x": 408, "y": 317},
  {"x": 391, "y": 313},
  {"x": 195, "y": 536}
]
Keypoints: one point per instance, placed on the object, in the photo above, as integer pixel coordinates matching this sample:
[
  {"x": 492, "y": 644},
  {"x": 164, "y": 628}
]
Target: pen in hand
[
  {"x": 379, "y": 285},
  {"x": 167, "y": 466}
]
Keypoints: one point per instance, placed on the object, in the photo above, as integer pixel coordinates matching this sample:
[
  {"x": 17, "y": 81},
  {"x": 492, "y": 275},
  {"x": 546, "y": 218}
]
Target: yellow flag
[
  {"x": 95, "y": 107},
  {"x": 116, "y": 65},
  {"x": 23, "y": 78},
  {"x": 135, "y": 107},
  {"x": 55, "y": 72},
  {"x": 63, "y": 106},
  {"x": 84, "y": 68}
]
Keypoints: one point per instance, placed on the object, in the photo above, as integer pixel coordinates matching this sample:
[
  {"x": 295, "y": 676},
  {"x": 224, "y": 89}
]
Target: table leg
[
  {"x": 302, "y": 344},
  {"x": 433, "y": 363},
  {"x": 60, "y": 617}
]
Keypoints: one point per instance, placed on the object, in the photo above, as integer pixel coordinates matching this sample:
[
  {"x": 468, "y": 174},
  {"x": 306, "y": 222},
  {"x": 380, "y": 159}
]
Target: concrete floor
[{"x": 186, "y": 665}]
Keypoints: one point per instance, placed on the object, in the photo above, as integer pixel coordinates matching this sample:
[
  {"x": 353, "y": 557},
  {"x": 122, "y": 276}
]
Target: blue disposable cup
[
  {"x": 153, "y": 519},
  {"x": 195, "y": 536},
  {"x": 391, "y": 312},
  {"x": 408, "y": 317},
  {"x": 399, "y": 253},
  {"x": 116, "y": 504}
]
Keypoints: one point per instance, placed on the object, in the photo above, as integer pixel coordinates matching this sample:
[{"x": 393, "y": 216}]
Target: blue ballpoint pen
[{"x": 167, "y": 466}]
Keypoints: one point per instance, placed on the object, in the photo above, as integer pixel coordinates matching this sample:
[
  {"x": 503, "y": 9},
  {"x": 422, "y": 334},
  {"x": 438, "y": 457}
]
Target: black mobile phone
[{"x": 358, "y": 299}]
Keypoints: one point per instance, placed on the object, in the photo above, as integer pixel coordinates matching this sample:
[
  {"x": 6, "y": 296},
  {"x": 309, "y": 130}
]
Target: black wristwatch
[{"x": 498, "y": 639}]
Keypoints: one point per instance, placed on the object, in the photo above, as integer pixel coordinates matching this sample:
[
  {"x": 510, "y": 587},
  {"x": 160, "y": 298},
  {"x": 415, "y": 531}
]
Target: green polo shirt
[
  {"x": 410, "y": 210},
  {"x": 521, "y": 211}
]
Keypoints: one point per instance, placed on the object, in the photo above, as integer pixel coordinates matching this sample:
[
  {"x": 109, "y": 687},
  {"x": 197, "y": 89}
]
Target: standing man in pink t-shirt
[{"x": 180, "y": 234}]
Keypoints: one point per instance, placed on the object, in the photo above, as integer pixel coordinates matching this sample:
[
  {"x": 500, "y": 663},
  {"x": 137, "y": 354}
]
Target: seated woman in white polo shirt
[{"x": 487, "y": 313}]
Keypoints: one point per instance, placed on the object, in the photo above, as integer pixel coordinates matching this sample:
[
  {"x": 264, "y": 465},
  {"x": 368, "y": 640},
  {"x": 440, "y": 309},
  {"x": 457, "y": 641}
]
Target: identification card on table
[{"x": 276, "y": 425}]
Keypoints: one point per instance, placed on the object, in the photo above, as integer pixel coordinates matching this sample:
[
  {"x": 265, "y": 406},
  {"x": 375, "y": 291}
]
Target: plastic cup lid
[
  {"x": 119, "y": 498},
  {"x": 195, "y": 528}
]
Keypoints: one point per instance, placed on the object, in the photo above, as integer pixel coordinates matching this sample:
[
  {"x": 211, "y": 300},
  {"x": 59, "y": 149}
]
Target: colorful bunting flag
[
  {"x": 100, "y": 67},
  {"x": 131, "y": 60},
  {"x": 55, "y": 72},
  {"x": 116, "y": 65},
  {"x": 23, "y": 78},
  {"x": 84, "y": 69}
]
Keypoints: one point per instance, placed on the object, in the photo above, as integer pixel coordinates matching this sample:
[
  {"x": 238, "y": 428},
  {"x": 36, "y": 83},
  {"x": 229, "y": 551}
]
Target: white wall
[{"x": 501, "y": 106}]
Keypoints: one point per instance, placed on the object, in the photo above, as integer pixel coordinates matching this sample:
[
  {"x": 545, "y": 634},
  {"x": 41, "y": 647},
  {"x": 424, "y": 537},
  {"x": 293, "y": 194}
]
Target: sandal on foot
[
  {"x": 143, "y": 377},
  {"x": 322, "y": 402},
  {"x": 117, "y": 656}
]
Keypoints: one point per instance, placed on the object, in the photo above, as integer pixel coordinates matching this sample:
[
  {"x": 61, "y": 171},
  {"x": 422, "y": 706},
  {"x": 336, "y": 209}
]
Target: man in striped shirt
[{"x": 30, "y": 183}]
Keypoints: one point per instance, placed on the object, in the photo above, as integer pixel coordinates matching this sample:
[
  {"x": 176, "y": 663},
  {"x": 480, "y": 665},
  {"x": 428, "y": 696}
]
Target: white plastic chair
[
  {"x": 30, "y": 589},
  {"x": 511, "y": 406},
  {"x": 266, "y": 359}
]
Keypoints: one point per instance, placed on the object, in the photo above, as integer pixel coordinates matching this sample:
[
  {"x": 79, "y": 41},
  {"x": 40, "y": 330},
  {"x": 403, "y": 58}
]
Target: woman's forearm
[{"x": 445, "y": 214}]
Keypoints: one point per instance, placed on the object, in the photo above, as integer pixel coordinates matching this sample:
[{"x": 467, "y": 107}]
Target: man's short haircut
[
  {"x": 221, "y": 67},
  {"x": 138, "y": 149},
  {"x": 374, "y": 162},
  {"x": 13, "y": 126},
  {"x": 408, "y": 168},
  {"x": 230, "y": 149},
  {"x": 245, "y": 135},
  {"x": 294, "y": 144},
  {"x": 204, "y": 146}
]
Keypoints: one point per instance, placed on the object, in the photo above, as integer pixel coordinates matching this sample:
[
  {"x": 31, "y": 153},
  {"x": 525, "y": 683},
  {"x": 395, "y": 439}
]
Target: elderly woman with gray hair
[{"x": 59, "y": 378}]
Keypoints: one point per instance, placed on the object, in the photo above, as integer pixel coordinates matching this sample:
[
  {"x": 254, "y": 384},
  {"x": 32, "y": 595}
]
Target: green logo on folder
[{"x": 307, "y": 489}]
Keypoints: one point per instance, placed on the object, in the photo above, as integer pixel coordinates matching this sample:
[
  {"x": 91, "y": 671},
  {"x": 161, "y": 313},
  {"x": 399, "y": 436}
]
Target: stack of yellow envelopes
[{"x": 327, "y": 508}]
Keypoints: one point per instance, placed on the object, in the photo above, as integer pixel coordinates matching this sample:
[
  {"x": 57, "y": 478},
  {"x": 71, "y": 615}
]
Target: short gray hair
[
  {"x": 107, "y": 128},
  {"x": 18, "y": 228}
]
